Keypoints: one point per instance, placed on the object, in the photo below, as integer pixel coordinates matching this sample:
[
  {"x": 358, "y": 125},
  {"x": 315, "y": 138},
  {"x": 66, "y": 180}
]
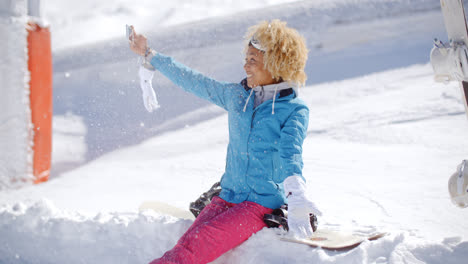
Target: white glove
[
  {"x": 299, "y": 207},
  {"x": 149, "y": 96}
]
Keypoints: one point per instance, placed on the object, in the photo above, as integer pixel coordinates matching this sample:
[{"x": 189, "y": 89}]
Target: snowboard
[
  {"x": 166, "y": 209},
  {"x": 457, "y": 31},
  {"x": 334, "y": 240},
  {"x": 322, "y": 237}
]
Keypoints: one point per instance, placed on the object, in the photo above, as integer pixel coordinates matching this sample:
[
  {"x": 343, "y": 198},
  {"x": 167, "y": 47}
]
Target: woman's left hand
[{"x": 299, "y": 207}]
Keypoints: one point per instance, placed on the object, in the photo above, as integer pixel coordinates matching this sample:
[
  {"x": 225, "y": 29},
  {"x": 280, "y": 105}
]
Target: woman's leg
[
  {"x": 214, "y": 234},
  {"x": 180, "y": 254},
  {"x": 216, "y": 207}
]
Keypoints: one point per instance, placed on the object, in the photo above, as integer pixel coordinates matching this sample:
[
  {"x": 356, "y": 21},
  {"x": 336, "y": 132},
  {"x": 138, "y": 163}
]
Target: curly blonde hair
[{"x": 285, "y": 51}]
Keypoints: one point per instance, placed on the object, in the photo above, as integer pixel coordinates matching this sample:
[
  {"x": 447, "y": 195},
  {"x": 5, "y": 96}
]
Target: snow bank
[{"x": 41, "y": 233}]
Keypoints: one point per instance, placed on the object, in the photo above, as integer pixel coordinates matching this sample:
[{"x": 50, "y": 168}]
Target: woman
[{"x": 267, "y": 127}]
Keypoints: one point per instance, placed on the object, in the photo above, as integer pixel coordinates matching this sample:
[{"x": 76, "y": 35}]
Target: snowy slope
[{"x": 379, "y": 151}]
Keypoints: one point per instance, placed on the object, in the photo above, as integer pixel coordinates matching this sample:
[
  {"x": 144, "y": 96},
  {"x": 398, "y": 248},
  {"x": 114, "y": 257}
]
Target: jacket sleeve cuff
[
  {"x": 294, "y": 185},
  {"x": 147, "y": 60}
]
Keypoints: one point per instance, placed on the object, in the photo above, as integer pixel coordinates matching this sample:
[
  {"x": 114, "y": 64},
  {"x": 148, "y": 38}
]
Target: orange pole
[{"x": 40, "y": 67}]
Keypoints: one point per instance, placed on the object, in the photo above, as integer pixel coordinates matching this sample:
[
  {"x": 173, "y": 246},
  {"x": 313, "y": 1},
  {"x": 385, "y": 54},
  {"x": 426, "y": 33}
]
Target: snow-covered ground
[{"x": 382, "y": 141}]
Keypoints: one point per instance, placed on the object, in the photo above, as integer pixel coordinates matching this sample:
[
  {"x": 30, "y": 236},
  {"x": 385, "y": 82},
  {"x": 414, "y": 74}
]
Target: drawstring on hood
[
  {"x": 248, "y": 98},
  {"x": 267, "y": 92},
  {"x": 274, "y": 98}
]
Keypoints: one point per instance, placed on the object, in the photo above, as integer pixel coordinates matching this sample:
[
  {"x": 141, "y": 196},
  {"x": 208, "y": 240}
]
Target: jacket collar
[{"x": 283, "y": 88}]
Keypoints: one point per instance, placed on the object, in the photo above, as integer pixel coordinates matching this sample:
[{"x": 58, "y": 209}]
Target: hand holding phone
[{"x": 138, "y": 42}]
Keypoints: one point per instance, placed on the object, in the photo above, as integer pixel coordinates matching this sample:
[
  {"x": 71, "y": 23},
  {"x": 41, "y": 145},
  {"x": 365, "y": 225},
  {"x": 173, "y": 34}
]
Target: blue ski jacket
[{"x": 264, "y": 148}]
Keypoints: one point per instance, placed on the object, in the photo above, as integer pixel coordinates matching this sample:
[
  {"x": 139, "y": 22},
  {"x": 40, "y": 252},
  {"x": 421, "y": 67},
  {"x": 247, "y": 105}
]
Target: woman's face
[{"x": 256, "y": 73}]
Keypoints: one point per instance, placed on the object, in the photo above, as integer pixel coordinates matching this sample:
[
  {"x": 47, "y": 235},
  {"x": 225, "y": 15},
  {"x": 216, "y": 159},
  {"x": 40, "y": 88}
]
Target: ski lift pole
[{"x": 40, "y": 68}]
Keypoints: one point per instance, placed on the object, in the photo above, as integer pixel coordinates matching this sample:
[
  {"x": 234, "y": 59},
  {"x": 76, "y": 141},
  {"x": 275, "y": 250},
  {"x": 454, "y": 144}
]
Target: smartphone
[{"x": 130, "y": 32}]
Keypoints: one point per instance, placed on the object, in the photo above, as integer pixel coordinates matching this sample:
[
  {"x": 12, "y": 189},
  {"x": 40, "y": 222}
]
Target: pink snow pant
[{"x": 220, "y": 227}]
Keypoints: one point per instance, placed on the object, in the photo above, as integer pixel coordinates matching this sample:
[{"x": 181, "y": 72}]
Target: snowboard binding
[
  {"x": 205, "y": 199},
  {"x": 277, "y": 219}
]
